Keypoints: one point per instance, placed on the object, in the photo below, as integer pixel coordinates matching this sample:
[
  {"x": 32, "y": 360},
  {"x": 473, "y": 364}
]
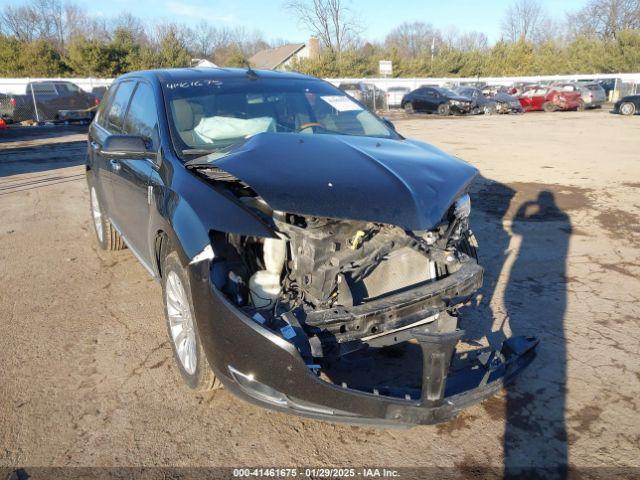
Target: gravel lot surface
[{"x": 87, "y": 377}]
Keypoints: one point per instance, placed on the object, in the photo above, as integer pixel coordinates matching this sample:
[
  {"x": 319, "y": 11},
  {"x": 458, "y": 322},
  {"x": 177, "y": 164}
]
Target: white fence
[{"x": 18, "y": 85}]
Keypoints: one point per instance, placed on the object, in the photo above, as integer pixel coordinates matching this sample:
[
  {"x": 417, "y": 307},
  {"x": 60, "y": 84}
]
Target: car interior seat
[{"x": 187, "y": 115}]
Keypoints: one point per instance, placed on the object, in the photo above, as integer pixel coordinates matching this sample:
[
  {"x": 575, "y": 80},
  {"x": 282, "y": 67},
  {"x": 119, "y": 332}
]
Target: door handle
[
  {"x": 94, "y": 146},
  {"x": 115, "y": 165}
]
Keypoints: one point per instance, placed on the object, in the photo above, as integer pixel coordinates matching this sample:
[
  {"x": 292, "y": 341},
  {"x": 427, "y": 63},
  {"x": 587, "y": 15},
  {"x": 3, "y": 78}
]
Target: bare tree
[
  {"x": 465, "y": 41},
  {"x": 50, "y": 20},
  {"x": 203, "y": 39},
  {"x": 133, "y": 26},
  {"x": 606, "y": 18},
  {"x": 412, "y": 39},
  {"x": 331, "y": 21},
  {"x": 523, "y": 20}
]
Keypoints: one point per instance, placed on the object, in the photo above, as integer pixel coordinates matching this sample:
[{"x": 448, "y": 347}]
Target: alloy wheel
[
  {"x": 181, "y": 324},
  {"x": 627, "y": 109}
]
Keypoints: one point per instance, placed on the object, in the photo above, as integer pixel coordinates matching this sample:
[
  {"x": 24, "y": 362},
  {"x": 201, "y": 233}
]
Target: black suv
[
  {"x": 291, "y": 228},
  {"x": 436, "y": 100}
]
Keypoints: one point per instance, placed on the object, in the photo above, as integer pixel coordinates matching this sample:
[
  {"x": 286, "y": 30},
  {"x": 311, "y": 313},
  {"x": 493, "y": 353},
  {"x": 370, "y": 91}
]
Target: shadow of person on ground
[
  {"x": 536, "y": 301},
  {"x": 524, "y": 239}
]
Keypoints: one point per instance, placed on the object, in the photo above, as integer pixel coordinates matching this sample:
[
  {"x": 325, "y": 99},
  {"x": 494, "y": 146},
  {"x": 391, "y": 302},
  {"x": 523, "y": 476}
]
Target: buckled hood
[{"x": 395, "y": 181}]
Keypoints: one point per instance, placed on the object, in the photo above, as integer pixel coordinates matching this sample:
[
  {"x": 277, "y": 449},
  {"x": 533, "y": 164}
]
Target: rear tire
[
  {"x": 182, "y": 327},
  {"x": 408, "y": 108},
  {"x": 627, "y": 108},
  {"x": 549, "y": 107},
  {"x": 580, "y": 107},
  {"x": 107, "y": 236},
  {"x": 444, "y": 109}
]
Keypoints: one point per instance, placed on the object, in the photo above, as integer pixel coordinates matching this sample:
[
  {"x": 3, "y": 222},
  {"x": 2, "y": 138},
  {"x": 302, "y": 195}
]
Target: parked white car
[{"x": 394, "y": 96}]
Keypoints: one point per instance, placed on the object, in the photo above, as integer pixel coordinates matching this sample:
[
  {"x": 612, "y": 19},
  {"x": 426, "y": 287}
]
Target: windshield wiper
[{"x": 197, "y": 151}]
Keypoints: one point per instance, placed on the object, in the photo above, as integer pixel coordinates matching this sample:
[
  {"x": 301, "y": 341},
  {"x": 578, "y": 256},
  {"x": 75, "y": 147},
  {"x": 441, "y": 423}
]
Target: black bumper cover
[{"x": 263, "y": 368}]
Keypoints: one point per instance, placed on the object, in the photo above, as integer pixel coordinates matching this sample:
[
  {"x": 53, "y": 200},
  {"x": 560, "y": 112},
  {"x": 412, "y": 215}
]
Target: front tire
[
  {"x": 581, "y": 106},
  {"x": 182, "y": 328},
  {"x": 107, "y": 236},
  {"x": 408, "y": 108},
  {"x": 549, "y": 107},
  {"x": 490, "y": 110},
  {"x": 628, "y": 108},
  {"x": 444, "y": 109}
]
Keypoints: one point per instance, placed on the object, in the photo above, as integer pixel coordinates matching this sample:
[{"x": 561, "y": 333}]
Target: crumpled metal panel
[{"x": 395, "y": 181}]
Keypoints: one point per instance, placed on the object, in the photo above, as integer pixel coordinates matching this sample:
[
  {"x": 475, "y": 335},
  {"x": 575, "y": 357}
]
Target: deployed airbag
[{"x": 211, "y": 129}]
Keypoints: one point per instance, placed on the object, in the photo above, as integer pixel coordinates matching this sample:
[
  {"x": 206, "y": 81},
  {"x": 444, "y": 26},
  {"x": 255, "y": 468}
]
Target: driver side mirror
[
  {"x": 389, "y": 123},
  {"x": 126, "y": 147}
]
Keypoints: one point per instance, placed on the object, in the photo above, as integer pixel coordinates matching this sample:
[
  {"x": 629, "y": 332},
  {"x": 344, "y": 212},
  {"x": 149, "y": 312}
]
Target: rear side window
[
  {"x": 118, "y": 106},
  {"x": 142, "y": 116},
  {"x": 42, "y": 88}
]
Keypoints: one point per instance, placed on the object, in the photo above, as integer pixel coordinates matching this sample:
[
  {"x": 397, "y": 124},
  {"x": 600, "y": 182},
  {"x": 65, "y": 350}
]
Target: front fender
[{"x": 194, "y": 207}]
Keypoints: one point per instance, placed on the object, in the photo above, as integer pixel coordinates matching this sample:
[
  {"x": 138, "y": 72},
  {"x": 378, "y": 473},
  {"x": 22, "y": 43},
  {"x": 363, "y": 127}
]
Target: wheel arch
[{"x": 185, "y": 221}]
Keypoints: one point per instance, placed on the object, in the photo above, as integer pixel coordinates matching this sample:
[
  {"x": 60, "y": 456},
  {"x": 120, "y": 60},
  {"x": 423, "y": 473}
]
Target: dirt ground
[{"x": 87, "y": 377}]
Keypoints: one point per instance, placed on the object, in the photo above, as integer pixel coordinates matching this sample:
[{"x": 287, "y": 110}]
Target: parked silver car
[
  {"x": 394, "y": 96},
  {"x": 366, "y": 93},
  {"x": 592, "y": 94}
]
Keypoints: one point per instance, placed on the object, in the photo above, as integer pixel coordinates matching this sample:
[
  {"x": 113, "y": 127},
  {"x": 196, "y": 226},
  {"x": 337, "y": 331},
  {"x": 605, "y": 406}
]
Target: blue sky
[{"x": 378, "y": 16}]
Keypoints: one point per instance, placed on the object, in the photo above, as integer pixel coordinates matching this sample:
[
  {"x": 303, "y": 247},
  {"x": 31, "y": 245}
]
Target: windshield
[
  {"x": 446, "y": 92},
  {"x": 210, "y": 115},
  {"x": 465, "y": 92}
]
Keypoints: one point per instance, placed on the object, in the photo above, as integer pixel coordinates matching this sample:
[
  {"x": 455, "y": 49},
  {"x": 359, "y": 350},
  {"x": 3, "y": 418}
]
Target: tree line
[{"x": 58, "y": 38}]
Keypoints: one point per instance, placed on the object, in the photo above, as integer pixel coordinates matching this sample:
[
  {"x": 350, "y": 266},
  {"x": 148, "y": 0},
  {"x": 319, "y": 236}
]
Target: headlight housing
[{"x": 462, "y": 206}]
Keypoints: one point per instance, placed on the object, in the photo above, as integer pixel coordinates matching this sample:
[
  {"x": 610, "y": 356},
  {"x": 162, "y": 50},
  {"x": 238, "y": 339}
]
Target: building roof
[
  {"x": 272, "y": 58},
  {"x": 204, "y": 63}
]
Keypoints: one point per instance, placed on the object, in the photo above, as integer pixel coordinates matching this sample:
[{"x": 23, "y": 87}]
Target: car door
[
  {"x": 64, "y": 100},
  {"x": 418, "y": 99},
  {"x": 110, "y": 122},
  {"x": 131, "y": 183},
  {"x": 431, "y": 99}
]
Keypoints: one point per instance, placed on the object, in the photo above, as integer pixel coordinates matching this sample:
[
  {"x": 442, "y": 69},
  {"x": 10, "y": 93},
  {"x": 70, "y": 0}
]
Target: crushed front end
[{"x": 313, "y": 321}]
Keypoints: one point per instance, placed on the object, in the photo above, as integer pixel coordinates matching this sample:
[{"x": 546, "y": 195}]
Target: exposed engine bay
[
  {"x": 336, "y": 286},
  {"x": 349, "y": 296}
]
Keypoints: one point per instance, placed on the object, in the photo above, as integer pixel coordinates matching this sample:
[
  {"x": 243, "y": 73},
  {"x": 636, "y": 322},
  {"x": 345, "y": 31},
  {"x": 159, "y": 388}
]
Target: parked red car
[{"x": 549, "y": 99}]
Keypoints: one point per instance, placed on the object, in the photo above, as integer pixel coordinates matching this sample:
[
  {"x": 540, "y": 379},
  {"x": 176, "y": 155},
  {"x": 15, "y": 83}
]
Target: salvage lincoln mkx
[{"x": 293, "y": 232}]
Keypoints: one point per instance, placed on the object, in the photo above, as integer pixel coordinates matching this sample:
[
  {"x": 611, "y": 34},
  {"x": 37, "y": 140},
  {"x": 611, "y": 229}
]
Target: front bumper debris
[{"x": 264, "y": 368}]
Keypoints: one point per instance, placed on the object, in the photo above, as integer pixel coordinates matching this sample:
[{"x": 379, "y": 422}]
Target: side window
[
  {"x": 118, "y": 106},
  {"x": 42, "y": 88},
  {"x": 142, "y": 116},
  {"x": 101, "y": 114},
  {"x": 66, "y": 88}
]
